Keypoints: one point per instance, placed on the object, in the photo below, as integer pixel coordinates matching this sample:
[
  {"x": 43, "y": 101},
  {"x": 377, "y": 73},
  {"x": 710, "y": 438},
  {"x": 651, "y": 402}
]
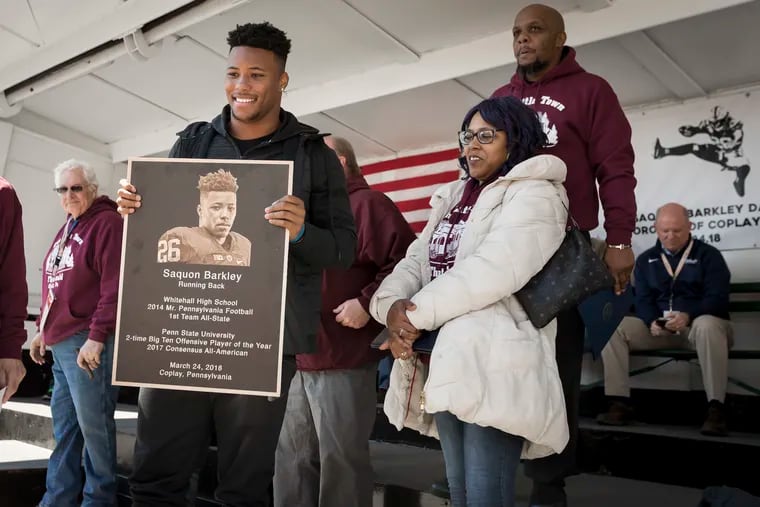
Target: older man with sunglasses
[{"x": 80, "y": 284}]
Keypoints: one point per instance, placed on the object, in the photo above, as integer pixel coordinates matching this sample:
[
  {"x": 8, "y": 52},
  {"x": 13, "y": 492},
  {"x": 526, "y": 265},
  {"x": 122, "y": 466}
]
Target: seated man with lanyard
[{"x": 682, "y": 289}]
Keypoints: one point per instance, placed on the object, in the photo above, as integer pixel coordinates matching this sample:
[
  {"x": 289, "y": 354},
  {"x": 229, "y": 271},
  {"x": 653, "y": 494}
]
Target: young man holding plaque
[{"x": 174, "y": 427}]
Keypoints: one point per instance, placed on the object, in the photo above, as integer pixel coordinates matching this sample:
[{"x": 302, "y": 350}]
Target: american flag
[{"x": 411, "y": 181}]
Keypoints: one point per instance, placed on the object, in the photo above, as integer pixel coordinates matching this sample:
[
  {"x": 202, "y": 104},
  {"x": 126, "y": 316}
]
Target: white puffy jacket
[{"x": 490, "y": 365}]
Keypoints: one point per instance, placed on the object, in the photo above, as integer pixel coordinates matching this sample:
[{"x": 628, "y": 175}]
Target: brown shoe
[
  {"x": 619, "y": 414},
  {"x": 715, "y": 424}
]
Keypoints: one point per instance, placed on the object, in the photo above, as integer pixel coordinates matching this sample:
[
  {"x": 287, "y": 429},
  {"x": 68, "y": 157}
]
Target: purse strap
[{"x": 574, "y": 224}]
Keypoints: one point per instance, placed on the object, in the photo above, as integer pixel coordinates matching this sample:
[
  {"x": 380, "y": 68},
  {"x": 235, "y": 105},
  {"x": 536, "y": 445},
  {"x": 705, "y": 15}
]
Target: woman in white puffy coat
[{"x": 491, "y": 381}]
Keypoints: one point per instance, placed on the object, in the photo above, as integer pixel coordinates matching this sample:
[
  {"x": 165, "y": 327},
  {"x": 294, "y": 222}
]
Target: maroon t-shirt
[{"x": 444, "y": 242}]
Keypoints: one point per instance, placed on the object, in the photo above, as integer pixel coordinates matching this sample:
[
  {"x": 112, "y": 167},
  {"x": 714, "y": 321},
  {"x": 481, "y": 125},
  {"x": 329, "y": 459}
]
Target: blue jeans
[
  {"x": 384, "y": 368},
  {"x": 82, "y": 411},
  {"x": 481, "y": 462}
]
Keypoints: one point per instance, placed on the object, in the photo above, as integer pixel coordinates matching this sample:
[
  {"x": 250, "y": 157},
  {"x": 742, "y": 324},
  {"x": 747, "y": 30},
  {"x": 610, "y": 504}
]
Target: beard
[{"x": 533, "y": 68}]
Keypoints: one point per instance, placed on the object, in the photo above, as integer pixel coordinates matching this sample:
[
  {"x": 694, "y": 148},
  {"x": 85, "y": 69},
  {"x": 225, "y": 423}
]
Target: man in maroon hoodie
[
  {"x": 588, "y": 130},
  {"x": 13, "y": 291},
  {"x": 80, "y": 285},
  {"x": 323, "y": 453}
]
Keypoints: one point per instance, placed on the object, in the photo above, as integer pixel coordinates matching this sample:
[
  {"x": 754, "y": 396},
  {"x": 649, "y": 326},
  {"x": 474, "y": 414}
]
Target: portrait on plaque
[
  {"x": 196, "y": 312},
  {"x": 212, "y": 241}
]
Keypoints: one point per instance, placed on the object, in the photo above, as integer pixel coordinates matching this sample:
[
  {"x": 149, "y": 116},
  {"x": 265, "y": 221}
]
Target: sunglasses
[
  {"x": 74, "y": 188},
  {"x": 485, "y": 136}
]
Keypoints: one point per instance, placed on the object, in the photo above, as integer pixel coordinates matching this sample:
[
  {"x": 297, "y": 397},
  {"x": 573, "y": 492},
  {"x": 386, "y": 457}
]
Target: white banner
[{"x": 700, "y": 155}]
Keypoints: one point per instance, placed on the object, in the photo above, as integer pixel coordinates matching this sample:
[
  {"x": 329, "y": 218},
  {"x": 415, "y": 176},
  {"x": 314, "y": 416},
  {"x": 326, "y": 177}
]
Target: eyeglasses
[
  {"x": 74, "y": 188},
  {"x": 485, "y": 136}
]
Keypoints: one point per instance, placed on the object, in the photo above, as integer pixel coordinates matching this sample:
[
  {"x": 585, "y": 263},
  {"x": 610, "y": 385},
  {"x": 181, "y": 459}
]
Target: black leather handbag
[{"x": 572, "y": 274}]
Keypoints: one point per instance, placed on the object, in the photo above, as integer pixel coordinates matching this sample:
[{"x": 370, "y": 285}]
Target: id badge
[{"x": 46, "y": 312}]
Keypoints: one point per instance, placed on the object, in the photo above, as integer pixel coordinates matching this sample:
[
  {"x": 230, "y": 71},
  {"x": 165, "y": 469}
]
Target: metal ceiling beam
[
  {"x": 122, "y": 20},
  {"x": 51, "y": 130},
  {"x": 410, "y": 55},
  {"x": 623, "y": 16},
  {"x": 672, "y": 76},
  {"x": 89, "y": 62},
  {"x": 6, "y": 109}
]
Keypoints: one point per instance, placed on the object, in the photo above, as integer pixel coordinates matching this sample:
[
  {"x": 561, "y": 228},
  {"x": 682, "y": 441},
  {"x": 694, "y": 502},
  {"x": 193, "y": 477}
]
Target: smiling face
[
  {"x": 253, "y": 84},
  {"x": 538, "y": 39},
  {"x": 76, "y": 203},
  {"x": 216, "y": 213},
  {"x": 485, "y": 160}
]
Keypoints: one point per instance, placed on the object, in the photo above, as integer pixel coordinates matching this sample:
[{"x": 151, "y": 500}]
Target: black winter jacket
[{"x": 329, "y": 238}]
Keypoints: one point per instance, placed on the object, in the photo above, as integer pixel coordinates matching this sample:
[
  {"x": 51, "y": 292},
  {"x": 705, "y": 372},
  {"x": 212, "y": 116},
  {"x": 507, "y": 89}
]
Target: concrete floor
[
  {"x": 416, "y": 469},
  {"x": 403, "y": 473}
]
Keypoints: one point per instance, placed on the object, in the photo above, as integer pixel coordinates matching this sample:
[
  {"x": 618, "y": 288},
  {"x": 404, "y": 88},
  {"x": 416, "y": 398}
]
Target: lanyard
[
  {"x": 70, "y": 224},
  {"x": 674, "y": 274}
]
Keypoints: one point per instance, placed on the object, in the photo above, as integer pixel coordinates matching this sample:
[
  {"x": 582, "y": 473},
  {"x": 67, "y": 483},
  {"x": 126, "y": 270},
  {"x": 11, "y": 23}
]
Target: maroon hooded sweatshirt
[
  {"x": 13, "y": 289},
  {"x": 587, "y": 129},
  {"x": 382, "y": 238},
  {"x": 86, "y": 285}
]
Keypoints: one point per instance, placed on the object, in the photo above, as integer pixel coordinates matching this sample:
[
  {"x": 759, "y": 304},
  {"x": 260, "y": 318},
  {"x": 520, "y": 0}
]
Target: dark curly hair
[
  {"x": 525, "y": 136},
  {"x": 261, "y": 35}
]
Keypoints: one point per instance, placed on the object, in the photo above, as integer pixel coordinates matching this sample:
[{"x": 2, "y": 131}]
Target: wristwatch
[{"x": 621, "y": 246}]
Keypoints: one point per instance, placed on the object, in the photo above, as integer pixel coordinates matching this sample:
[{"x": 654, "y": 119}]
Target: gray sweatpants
[
  {"x": 322, "y": 456},
  {"x": 710, "y": 336}
]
